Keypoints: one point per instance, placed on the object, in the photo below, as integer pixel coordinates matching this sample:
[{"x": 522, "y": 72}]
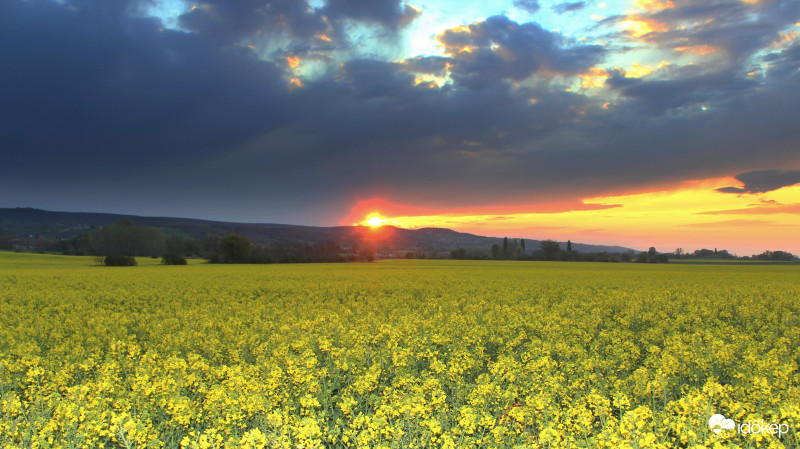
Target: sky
[{"x": 666, "y": 123}]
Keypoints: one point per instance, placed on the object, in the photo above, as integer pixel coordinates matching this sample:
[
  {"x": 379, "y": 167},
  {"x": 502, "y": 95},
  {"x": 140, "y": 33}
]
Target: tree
[
  {"x": 173, "y": 259},
  {"x": 234, "y": 248},
  {"x": 119, "y": 261},
  {"x": 569, "y": 246},
  {"x": 124, "y": 238},
  {"x": 652, "y": 256},
  {"x": 551, "y": 249},
  {"x": 176, "y": 244},
  {"x": 367, "y": 252},
  {"x": 460, "y": 253},
  {"x": 496, "y": 252}
]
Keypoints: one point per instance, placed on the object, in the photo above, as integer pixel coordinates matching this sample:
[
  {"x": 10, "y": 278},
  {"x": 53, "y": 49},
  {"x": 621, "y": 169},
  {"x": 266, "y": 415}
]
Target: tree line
[
  {"x": 777, "y": 256},
  {"x": 118, "y": 244},
  {"x": 551, "y": 250}
]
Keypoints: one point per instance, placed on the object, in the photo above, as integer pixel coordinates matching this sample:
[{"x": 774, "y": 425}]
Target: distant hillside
[{"x": 24, "y": 222}]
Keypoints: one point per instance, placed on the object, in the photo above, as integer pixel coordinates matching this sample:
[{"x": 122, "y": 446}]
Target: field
[{"x": 395, "y": 354}]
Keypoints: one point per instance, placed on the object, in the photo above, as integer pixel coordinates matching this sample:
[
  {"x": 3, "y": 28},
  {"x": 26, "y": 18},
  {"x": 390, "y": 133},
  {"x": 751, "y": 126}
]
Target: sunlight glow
[
  {"x": 693, "y": 214},
  {"x": 375, "y": 221},
  {"x": 654, "y": 5},
  {"x": 595, "y": 77},
  {"x": 640, "y": 26}
]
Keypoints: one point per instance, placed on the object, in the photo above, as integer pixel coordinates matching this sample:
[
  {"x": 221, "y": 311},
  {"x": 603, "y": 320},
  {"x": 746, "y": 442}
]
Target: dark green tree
[
  {"x": 119, "y": 261},
  {"x": 124, "y": 238},
  {"x": 551, "y": 249},
  {"x": 234, "y": 248},
  {"x": 173, "y": 259},
  {"x": 460, "y": 253},
  {"x": 496, "y": 251}
]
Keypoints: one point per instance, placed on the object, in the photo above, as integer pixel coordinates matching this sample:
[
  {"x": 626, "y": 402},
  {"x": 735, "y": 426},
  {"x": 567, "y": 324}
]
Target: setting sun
[{"x": 375, "y": 221}]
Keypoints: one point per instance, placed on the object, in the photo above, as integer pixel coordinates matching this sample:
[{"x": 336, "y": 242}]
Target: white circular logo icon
[{"x": 718, "y": 423}]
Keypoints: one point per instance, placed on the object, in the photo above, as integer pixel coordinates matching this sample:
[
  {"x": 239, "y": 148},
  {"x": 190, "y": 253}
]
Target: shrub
[
  {"x": 173, "y": 259},
  {"x": 119, "y": 261}
]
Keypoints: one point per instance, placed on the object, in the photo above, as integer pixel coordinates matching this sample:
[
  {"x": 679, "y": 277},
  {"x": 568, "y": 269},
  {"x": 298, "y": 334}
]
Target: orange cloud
[
  {"x": 760, "y": 209},
  {"x": 595, "y": 77},
  {"x": 638, "y": 26},
  {"x": 698, "y": 49},
  {"x": 653, "y": 5},
  {"x": 784, "y": 39}
]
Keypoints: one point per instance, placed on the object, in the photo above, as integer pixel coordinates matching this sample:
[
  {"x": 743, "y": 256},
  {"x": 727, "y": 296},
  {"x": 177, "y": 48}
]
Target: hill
[{"x": 25, "y": 222}]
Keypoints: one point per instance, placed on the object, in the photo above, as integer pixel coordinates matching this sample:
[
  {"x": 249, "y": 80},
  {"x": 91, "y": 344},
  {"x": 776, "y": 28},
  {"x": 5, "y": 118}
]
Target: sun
[{"x": 375, "y": 221}]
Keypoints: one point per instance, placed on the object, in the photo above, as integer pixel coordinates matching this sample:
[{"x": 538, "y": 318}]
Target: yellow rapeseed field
[{"x": 397, "y": 354}]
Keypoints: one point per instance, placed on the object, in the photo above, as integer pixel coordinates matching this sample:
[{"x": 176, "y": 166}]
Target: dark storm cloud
[
  {"x": 566, "y": 7},
  {"x": 102, "y": 108},
  {"x": 499, "y": 48},
  {"x": 760, "y": 181},
  {"x": 91, "y": 91},
  {"x": 783, "y": 64},
  {"x": 232, "y": 20},
  {"x": 392, "y": 14},
  {"x": 688, "y": 86},
  {"x": 434, "y": 65},
  {"x": 293, "y": 22}
]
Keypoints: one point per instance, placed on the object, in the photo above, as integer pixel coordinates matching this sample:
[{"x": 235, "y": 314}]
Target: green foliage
[
  {"x": 173, "y": 259},
  {"x": 652, "y": 256},
  {"x": 551, "y": 249},
  {"x": 234, "y": 248},
  {"x": 126, "y": 239},
  {"x": 460, "y": 253},
  {"x": 116, "y": 260}
]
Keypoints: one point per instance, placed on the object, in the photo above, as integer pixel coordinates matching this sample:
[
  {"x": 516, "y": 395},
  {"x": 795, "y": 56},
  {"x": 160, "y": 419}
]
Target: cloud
[
  {"x": 761, "y": 181},
  {"x": 531, "y": 6},
  {"x": 759, "y": 210},
  {"x": 96, "y": 92},
  {"x": 566, "y": 7},
  {"x": 738, "y": 29},
  {"x": 392, "y": 14},
  {"x": 731, "y": 223},
  {"x": 499, "y": 48},
  {"x": 232, "y": 20},
  {"x": 102, "y": 107},
  {"x": 683, "y": 87},
  {"x": 278, "y": 28},
  {"x": 432, "y": 65}
]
